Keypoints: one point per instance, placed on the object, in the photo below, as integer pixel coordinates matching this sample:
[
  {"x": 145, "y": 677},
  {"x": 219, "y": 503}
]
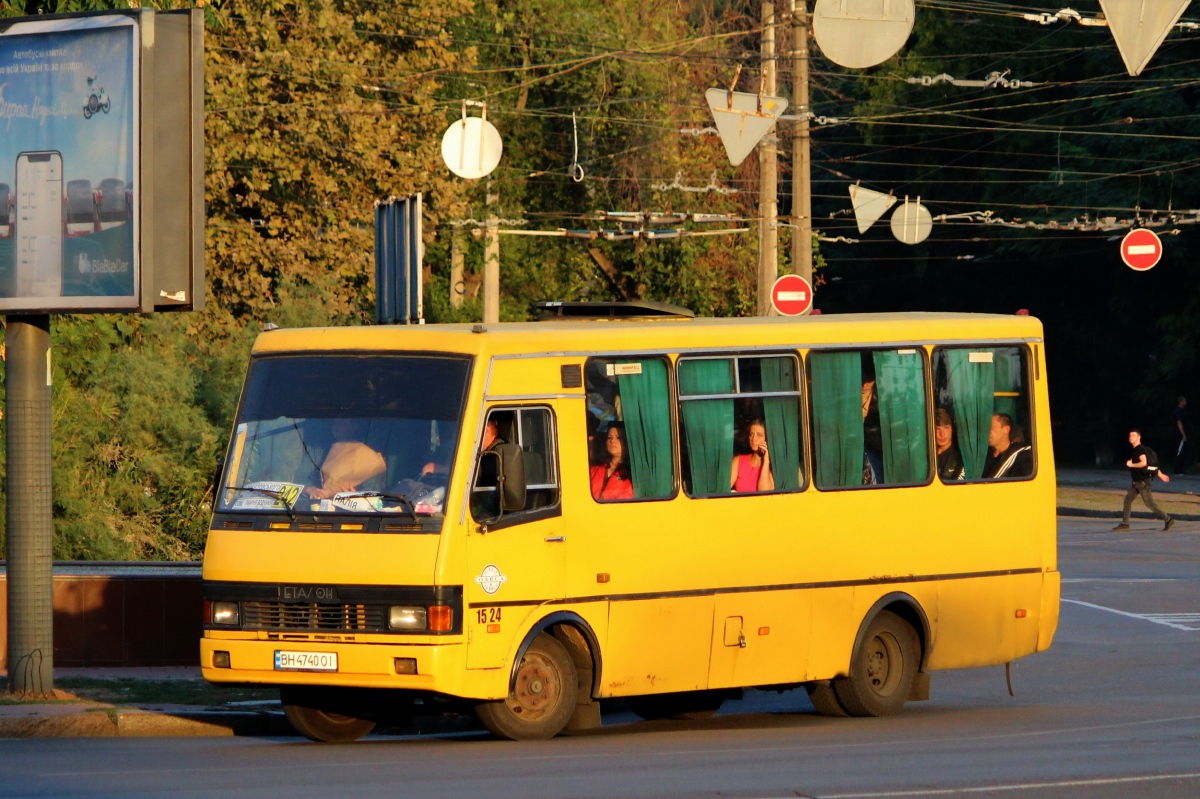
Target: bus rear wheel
[
  {"x": 312, "y": 717},
  {"x": 544, "y": 695},
  {"x": 694, "y": 705},
  {"x": 882, "y": 669}
]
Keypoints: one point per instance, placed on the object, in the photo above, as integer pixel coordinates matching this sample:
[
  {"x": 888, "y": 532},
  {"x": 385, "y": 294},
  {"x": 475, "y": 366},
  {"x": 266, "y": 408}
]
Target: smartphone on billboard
[{"x": 39, "y": 224}]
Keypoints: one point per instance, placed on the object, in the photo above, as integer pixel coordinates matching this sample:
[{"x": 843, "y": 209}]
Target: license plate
[{"x": 305, "y": 661}]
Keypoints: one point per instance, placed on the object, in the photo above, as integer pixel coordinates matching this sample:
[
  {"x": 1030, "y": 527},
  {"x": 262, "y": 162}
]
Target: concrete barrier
[{"x": 114, "y": 614}]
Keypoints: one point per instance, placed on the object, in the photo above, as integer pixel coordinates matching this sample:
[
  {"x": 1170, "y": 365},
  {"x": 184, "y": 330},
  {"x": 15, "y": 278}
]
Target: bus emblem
[{"x": 490, "y": 579}]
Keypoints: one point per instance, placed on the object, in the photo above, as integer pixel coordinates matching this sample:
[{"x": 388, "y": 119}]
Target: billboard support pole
[{"x": 30, "y": 524}]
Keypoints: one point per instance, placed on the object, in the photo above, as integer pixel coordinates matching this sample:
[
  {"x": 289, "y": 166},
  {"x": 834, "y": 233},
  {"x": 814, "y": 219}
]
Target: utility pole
[
  {"x": 30, "y": 522},
  {"x": 801, "y": 154},
  {"x": 768, "y": 176},
  {"x": 456, "y": 268},
  {"x": 491, "y": 261}
]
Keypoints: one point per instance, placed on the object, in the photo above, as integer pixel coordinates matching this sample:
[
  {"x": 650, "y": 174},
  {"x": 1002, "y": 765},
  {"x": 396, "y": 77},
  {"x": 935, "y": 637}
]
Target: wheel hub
[{"x": 537, "y": 688}]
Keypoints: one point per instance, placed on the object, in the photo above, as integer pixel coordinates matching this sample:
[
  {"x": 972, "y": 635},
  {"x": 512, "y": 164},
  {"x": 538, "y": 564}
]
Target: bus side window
[
  {"x": 740, "y": 424},
  {"x": 869, "y": 418},
  {"x": 629, "y": 401},
  {"x": 983, "y": 404}
]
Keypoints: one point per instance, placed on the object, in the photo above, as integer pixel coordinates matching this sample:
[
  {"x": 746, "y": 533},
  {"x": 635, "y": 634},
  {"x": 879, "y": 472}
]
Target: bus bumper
[{"x": 440, "y": 668}]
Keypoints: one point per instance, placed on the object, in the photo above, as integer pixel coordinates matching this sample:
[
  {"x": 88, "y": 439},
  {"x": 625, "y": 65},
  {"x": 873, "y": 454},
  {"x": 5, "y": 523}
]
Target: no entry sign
[
  {"x": 1141, "y": 249},
  {"x": 791, "y": 295}
]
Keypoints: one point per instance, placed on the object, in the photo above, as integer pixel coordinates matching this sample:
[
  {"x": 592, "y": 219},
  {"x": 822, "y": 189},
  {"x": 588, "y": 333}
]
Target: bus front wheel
[
  {"x": 882, "y": 669},
  {"x": 543, "y": 698},
  {"x": 311, "y": 717}
]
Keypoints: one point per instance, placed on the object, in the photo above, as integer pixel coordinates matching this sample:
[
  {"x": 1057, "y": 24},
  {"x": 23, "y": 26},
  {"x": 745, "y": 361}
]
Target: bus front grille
[{"x": 294, "y": 616}]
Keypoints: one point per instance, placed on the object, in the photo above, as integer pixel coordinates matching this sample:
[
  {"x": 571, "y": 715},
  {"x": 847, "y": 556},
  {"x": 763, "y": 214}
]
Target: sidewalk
[
  {"x": 73, "y": 717},
  {"x": 1099, "y": 494}
]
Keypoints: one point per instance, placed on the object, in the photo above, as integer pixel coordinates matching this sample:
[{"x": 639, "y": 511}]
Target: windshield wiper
[
  {"x": 270, "y": 493},
  {"x": 412, "y": 509}
]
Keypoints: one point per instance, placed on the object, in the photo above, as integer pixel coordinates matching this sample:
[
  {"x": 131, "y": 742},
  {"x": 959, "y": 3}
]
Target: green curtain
[
  {"x": 900, "y": 380},
  {"x": 782, "y": 415},
  {"x": 1008, "y": 381},
  {"x": 646, "y": 411},
  {"x": 837, "y": 418},
  {"x": 972, "y": 386},
  {"x": 708, "y": 423}
]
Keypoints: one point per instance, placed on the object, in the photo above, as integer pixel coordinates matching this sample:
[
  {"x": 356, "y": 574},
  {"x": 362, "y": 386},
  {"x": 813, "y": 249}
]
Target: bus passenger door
[{"x": 518, "y": 562}]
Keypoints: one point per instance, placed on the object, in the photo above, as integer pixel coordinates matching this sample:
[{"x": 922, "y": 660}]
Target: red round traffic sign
[
  {"x": 791, "y": 295},
  {"x": 1141, "y": 249}
]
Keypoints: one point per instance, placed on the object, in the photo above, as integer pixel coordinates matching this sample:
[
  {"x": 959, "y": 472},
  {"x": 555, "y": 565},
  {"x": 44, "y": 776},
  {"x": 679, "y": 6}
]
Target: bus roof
[{"x": 665, "y": 334}]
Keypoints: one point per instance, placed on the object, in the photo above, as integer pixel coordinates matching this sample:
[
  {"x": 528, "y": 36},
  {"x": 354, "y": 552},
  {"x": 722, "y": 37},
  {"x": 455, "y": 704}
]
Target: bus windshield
[{"x": 346, "y": 433}]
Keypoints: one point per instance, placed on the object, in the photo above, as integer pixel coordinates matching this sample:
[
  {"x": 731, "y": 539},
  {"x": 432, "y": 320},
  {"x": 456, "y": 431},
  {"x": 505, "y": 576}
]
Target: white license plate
[{"x": 305, "y": 661}]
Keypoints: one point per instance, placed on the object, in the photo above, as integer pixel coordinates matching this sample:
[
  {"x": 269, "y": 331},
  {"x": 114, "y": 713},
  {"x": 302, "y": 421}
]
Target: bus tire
[
  {"x": 304, "y": 712},
  {"x": 543, "y": 698},
  {"x": 691, "y": 705},
  {"x": 824, "y": 699},
  {"x": 882, "y": 669}
]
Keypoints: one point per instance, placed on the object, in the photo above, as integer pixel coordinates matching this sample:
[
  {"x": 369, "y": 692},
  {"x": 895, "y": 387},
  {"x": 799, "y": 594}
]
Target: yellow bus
[{"x": 624, "y": 501}]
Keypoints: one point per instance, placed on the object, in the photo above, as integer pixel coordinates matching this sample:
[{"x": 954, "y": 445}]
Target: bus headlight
[
  {"x": 226, "y": 614},
  {"x": 401, "y": 617}
]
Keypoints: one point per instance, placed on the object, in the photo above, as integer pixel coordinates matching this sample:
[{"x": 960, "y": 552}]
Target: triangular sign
[
  {"x": 1139, "y": 26},
  {"x": 740, "y": 121},
  {"x": 869, "y": 206}
]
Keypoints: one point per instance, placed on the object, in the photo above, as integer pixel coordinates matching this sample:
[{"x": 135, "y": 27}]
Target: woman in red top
[
  {"x": 611, "y": 480},
  {"x": 752, "y": 472}
]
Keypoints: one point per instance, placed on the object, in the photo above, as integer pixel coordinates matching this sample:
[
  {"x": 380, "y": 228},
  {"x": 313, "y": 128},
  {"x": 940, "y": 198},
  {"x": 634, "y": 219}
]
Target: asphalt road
[{"x": 1112, "y": 710}]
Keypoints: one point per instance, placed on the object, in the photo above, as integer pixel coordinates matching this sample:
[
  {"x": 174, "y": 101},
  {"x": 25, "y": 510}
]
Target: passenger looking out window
[
  {"x": 985, "y": 393},
  {"x": 949, "y": 461},
  {"x": 759, "y": 398},
  {"x": 752, "y": 471},
  {"x": 611, "y": 480},
  {"x": 629, "y": 412},
  {"x": 1008, "y": 454}
]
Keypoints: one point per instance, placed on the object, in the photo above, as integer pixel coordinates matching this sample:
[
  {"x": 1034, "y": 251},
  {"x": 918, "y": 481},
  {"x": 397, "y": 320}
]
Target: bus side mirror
[
  {"x": 501, "y": 468},
  {"x": 512, "y": 477}
]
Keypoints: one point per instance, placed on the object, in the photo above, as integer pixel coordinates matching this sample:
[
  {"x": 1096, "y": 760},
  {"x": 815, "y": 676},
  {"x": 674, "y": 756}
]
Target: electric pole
[
  {"x": 491, "y": 261},
  {"x": 801, "y": 154},
  {"x": 30, "y": 520},
  {"x": 768, "y": 175}
]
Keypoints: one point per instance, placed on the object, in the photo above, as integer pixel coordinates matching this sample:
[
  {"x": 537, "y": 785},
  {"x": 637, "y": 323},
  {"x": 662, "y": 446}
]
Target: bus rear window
[{"x": 342, "y": 433}]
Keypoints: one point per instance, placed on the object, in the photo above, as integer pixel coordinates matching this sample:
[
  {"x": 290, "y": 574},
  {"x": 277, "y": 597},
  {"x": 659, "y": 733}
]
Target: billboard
[
  {"x": 101, "y": 162},
  {"x": 69, "y": 116}
]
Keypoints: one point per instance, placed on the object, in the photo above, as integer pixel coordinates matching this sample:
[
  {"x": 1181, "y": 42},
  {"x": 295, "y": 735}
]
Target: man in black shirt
[
  {"x": 1143, "y": 465},
  {"x": 1181, "y": 424},
  {"x": 1008, "y": 454}
]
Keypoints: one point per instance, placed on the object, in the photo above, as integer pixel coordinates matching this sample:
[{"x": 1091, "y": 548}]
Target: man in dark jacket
[{"x": 1143, "y": 465}]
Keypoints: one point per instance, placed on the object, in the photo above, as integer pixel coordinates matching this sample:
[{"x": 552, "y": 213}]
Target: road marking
[
  {"x": 1174, "y": 620},
  {"x": 1191, "y": 775}
]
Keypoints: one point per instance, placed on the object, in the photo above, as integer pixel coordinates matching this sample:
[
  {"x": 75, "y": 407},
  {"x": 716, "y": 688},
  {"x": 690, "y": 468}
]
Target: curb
[
  {"x": 1096, "y": 513},
  {"x": 110, "y": 722}
]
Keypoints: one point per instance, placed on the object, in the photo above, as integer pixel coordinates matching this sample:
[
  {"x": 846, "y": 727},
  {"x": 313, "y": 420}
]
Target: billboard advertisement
[{"x": 69, "y": 155}]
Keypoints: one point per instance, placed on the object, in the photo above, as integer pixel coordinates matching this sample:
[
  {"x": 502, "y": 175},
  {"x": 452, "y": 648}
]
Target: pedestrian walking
[
  {"x": 1143, "y": 465},
  {"x": 1181, "y": 424}
]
